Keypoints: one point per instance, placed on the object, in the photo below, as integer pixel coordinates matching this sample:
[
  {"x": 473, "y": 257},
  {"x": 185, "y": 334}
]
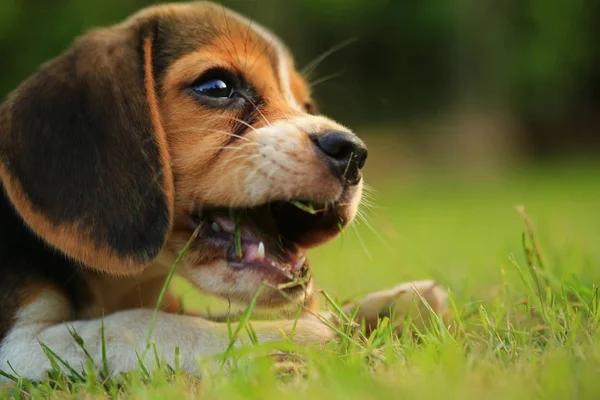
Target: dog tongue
[
  {"x": 254, "y": 252},
  {"x": 259, "y": 246}
]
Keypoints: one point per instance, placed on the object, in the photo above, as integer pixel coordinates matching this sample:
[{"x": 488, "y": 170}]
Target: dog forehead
[{"x": 183, "y": 28}]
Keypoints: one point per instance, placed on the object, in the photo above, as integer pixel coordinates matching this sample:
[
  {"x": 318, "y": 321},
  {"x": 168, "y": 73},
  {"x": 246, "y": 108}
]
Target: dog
[{"x": 185, "y": 127}]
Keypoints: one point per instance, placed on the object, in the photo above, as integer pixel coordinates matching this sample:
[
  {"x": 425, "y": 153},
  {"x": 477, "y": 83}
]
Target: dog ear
[{"x": 83, "y": 155}]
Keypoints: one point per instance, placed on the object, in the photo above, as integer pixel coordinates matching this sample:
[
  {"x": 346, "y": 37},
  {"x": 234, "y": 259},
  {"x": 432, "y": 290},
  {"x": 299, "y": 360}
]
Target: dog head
[{"x": 183, "y": 119}]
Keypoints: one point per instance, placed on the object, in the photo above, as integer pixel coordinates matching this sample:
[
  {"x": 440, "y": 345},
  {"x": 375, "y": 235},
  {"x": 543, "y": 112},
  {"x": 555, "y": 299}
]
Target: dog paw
[{"x": 415, "y": 299}]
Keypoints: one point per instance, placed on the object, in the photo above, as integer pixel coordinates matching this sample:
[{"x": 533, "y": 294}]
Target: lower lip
[
  {"x": 223, "y": 246},
  {"x": 276, "y": 275}
]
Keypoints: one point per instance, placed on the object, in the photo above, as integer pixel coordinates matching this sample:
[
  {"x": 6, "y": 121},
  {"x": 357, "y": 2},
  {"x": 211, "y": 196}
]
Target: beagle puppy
[{"x": 184, "y": 121}]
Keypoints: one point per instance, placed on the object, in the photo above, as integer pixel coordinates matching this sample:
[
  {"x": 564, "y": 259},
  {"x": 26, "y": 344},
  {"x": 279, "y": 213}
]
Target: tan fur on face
[
  {"x": 301, "y": 90},
  {"x": 274, "y": 159}
]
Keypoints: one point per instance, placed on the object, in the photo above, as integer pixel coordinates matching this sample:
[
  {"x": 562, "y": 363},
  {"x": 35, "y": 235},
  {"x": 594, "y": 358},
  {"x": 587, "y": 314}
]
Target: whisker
[
  {"x": 246, "y": 156},
  {"x": 367, "y": 199},
  {"x": 261, "y": 54},
  {"x": 241, "y": 121},
  {"x": 369, "y": 189},
  {"x": 225, "y": 148},
  {"x": 326, "y": 78},
  {"x": 368, "y": 196},
  {"x": 375, "y": 232},
  {"x": 314, "y": 64},
  {"x": 361, "y": 241},
  {"x": 251, "y": 21},
  {"x": 225, "y": 45},
  {"x": 257, "y": 109},
  {"x": 215, "y": 131},
  {"x": 370, "y": 204},
  {"x": 228, "y": 37}
]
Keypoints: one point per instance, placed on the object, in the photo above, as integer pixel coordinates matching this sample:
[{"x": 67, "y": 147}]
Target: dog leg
[
  {"x": 417, "y": 299},
  {"x": 40, "y": 322}
]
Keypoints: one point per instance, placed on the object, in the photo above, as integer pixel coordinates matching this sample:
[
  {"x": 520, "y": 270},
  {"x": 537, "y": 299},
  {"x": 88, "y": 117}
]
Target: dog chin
[{"x": 240, "y": 285}]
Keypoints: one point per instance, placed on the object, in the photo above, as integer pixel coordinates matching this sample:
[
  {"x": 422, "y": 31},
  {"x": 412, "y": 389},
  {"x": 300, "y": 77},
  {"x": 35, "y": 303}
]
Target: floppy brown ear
[{"x": 83, "y": 155}]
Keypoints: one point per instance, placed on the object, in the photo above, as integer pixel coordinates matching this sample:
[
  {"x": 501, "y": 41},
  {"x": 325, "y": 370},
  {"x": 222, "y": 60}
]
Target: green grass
[{"x": 521, "y": 330}]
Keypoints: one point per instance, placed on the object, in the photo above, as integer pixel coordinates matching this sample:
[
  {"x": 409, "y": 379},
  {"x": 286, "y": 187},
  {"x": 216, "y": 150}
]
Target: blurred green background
[
  {"x": 469, "y": 107},
  {"x": 502, "y": 78}
]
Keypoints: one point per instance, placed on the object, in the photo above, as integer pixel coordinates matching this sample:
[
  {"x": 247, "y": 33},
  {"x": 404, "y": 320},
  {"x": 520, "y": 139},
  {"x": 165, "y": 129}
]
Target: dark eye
[
  {"x": 215, "y": 87},
  {"x": 309, "y": 107}
]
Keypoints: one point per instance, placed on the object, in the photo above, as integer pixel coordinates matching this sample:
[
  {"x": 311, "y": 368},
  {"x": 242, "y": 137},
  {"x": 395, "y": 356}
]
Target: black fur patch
[
  {"x": 81, "y": 144},
  {"x": 26, "y": 261},
  {"x": 178, "y": 36}
]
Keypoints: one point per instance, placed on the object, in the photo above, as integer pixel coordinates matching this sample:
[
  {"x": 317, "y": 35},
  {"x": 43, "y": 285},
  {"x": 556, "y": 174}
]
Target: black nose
[{"x": 345, "y": 153}]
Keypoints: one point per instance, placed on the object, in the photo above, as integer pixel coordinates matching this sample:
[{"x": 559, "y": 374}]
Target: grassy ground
[{"x": 520, "y": 330}]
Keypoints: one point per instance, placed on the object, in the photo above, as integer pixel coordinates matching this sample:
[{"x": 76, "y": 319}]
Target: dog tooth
[
  {"x": 299, "y": 264},
  {"x": 288, "y": 275},
  {"x": 260, "y": 253},
  {"x": 215, "y": 227}
]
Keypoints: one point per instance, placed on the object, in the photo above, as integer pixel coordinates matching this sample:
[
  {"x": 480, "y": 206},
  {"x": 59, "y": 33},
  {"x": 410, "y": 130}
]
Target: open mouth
[{"x": 271, "y": 237}]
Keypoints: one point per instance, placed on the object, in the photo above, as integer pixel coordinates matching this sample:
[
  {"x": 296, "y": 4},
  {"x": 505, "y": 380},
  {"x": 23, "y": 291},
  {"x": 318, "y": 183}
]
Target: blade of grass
[
  {"x": 532, "y": 235},
  {"x": 53, "y": 356},
  {"x": 237, "y": 236},
  {"x": 298, "y": 315},
  {"x": 104, "y": 358},
  {"x": 244, "y": 320},
  {"x": 251, "y": 333},
  {"x": 533, "y": 270},
  {"x": 177, "y": 361},
  {"x": 318, "y": 316},
  {"x": 79, "y": 340},
  {"x": 8, "y": 376},
  {"x": 335, "y": 306},
  {"x": 156, "y": 357},
  {"x": 309, "y": 208},
  {"x": 166, "y": 286},
  {"x": 143, "y": 369}
]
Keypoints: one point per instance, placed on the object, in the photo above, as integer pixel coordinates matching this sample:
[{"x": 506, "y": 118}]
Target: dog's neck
[{"x": 115, "y": 293}]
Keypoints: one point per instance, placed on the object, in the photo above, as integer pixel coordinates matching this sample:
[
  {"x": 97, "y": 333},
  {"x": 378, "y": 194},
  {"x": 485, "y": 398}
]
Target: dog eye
[
  {"x": 215, "y": 87},
  {"x": 309, "y": 107}
]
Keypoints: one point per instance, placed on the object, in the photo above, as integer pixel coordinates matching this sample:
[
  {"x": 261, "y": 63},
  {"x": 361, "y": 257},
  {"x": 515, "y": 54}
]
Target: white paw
[{"x": 417, "y": 299}]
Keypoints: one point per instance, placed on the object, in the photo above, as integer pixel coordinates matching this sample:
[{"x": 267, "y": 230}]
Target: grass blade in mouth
[
  {"x": 237, "y": 237},
  {"x": 309, "y": 208}
]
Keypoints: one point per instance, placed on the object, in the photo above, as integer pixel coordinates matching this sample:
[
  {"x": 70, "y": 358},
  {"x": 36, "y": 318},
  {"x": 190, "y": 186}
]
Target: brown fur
[
  {"x": 154, "y": 146},
  {"x": 62, "y": 236},
  {"x": 161, "y": 138}
]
